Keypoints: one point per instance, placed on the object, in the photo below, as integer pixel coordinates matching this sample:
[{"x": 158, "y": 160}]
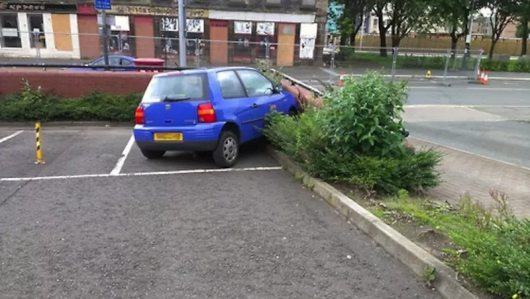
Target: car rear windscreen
[{"x": 185, "y": 86}]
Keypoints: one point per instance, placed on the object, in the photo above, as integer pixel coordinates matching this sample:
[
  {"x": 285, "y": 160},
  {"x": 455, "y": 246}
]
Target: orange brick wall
[
  {"x": 74, "y": 83},
  {"x": 145, "y": 43}
]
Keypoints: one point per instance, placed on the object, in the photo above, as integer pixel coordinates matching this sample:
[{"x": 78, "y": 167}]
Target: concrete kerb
[{"x": 410, "y": 254}]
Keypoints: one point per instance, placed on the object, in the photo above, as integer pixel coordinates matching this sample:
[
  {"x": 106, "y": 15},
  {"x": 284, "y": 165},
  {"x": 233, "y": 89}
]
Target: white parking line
[
  {"x": 116, "y": 170},
  {"x": 105, "y": 175},
  {"x": 11, "y": 136}
]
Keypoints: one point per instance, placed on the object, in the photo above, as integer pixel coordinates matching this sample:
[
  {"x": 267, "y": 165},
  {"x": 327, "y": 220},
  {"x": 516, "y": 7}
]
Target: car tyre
[
  {"x": 227, "y": 151},
  {"x": 153, "y": 154}
]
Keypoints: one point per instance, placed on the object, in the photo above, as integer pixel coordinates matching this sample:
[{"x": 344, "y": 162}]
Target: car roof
[
  {"x": 119, "y": 56},
  {"x": 206, "y": 70}
]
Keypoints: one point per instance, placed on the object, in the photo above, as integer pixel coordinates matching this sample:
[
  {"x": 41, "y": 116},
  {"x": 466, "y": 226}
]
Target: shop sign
[
  {"x": 36, "y": 6},
  {"x": 157, "y": 11}
]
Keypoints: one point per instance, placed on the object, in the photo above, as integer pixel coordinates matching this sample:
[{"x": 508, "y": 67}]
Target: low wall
[
  {"x": 74, "y": 83},
  {"x": 71, "y": 84}
]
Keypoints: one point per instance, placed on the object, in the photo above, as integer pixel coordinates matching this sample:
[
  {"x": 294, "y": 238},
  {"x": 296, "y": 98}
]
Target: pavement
[{"x": 98, "y": 220}]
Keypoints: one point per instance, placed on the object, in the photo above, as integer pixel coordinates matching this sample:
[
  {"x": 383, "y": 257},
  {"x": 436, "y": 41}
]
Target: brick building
[{"x": 228, "y": 30}]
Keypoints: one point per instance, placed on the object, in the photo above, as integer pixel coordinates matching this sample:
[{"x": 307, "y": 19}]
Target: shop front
[
  {"x": 47, "y": 30},
  {"x": 255, "y": 37}
]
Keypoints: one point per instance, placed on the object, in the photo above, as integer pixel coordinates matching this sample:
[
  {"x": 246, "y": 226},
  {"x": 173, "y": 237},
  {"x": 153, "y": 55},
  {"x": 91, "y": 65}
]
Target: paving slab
[{"x": 466, "y": 172}]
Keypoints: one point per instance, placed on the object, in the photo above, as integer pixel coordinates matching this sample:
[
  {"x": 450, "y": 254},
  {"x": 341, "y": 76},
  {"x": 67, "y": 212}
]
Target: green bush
[
  {"x": 32, "y": 105},
  {"x": 355, "y": 138}
]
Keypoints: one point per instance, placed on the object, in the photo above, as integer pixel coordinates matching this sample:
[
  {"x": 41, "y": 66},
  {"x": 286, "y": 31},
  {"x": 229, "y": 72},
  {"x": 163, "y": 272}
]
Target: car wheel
[
  {"x": 153, "y": 154},
  {"x": 227, "y": 150}
]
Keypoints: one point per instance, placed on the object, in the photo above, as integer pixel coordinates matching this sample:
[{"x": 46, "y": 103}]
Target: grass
[{"x": 490, "y": 248}]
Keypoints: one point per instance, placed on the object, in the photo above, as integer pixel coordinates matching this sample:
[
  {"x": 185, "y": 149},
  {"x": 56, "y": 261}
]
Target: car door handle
[{"x": 254, "y": 105}]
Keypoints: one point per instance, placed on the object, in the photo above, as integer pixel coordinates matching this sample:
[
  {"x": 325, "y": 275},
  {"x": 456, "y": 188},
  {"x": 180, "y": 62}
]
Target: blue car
[
  {"x": 114, "y": 60},
  {"x": 207, "y": 110}
]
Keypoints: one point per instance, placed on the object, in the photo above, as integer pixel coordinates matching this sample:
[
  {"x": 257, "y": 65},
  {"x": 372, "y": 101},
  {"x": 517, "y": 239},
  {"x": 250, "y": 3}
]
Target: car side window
[
  {"x": 125, "y": 62},
  {"x": 99, "y": 62},
  {"x": 114, "y": 61},
  {"x": 256, "y": 84},
  {"x": 230, "y": 85}
]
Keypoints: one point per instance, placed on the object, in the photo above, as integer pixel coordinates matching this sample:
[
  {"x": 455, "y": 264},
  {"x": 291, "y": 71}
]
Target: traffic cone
[
  {"x": 341, "y": 78},
  {"x": 481, "y": 78},
  {"x": 485, "y": 80},
  {"x": 428, "y": 75},
  {"x": 478, "y": 74}
]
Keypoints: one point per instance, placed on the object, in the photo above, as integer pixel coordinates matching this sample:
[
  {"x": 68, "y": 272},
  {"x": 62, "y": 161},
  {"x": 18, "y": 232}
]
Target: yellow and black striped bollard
[{"x": 38, "y": 141}]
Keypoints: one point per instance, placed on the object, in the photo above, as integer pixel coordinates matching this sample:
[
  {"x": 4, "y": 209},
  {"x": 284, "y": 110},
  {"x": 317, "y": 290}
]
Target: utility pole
[
  {"x": 105, "y": 36},
  {"x": 362, "y": 30},
  {"x": 468, "y": 36},
  {"x": 182, "y": 32}
]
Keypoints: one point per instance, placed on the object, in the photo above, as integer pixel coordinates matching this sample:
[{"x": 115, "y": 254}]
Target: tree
[
  {"x": 350, "y": 20},
  {"x": 400, "y": 17},
  {"x": 523, "y": 31},
  {"x": 381, "y": 10},
  {"x": 453, "y": 15},
  {"x": 503, "y": 12},
  {"x": 406, "y": 15}
]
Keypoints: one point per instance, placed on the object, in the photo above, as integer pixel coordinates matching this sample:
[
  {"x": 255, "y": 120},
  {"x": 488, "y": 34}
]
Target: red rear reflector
[
  {"x": 139, "y": 116},
  {"x": 206, "y": 113}
]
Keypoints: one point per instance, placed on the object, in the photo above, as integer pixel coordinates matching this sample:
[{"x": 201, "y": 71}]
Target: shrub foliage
[{"x": 356, "y": 138}]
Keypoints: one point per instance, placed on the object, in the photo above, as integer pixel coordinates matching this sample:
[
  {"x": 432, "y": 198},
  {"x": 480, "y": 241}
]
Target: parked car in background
[
  {"x": 207, "y": 110},
  {"x": 114, "y": 60}
]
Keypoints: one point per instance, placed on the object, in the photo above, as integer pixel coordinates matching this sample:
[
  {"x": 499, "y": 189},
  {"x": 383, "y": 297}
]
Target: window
[
  {"x": 36, "y": 28},
  {"x": 112, "y": 61},
  {"x": 192, "y": 86},
  {"x": 125, "y": 62},
  {"x": 9, "y": 34},
  {"x": 230, "y": 85},
  {"x": 242, "y": 45},
  {"x": 255, "y": 83}
]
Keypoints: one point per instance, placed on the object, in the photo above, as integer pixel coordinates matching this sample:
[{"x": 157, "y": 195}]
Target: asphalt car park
[{"x": 98, "y": 220}]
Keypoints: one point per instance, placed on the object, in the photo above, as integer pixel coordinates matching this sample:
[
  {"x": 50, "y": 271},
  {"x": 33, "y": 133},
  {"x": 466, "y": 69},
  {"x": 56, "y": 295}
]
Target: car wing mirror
[{"x": 278, "y": 87}]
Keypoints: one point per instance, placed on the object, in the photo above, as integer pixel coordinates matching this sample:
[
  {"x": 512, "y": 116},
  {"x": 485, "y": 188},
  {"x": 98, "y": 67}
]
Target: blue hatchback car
[
  {"x": 114, "y": 60},
  {"x": 207, "y": 110}
]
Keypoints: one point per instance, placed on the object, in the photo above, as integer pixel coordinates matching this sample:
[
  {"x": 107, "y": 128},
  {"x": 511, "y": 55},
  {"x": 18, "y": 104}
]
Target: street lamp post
[{"x": 470, "y": 27}]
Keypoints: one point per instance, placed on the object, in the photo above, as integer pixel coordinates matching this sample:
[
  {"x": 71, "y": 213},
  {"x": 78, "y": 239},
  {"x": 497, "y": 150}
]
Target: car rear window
[{"x": 192, "y": 86}]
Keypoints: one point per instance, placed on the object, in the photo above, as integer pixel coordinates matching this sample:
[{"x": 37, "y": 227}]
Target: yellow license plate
[{"x": 168, "y": 137}]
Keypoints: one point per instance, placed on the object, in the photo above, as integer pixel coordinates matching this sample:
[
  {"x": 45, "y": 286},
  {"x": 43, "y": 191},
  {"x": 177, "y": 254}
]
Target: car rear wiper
[{"x": 170, "y": 99}]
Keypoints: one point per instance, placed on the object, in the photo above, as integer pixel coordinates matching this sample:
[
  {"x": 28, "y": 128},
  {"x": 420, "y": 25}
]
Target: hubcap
[{"x": 229, "y": 149}]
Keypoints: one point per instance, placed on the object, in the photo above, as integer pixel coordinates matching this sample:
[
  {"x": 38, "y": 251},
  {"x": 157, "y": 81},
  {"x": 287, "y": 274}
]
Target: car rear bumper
[
  {"x": 198, "y": 146},
  {"x": 201, "y": 137}
]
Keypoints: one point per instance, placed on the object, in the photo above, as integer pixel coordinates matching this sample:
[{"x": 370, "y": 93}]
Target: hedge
[{"x": 33, "y": 105}]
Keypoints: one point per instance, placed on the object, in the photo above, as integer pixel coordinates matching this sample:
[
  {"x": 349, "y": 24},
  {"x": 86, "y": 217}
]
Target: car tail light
[
  {"x": 206, "y": 113},
  {"x": 139, "y": 116}
]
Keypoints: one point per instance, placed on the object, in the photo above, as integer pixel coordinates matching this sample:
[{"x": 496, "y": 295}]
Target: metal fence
[
  {"x": 441, "y": 64},
  {"x": 396, "y": 62}
]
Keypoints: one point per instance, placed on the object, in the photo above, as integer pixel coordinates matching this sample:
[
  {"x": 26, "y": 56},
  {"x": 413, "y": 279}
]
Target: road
[
  {"x": 491, "y": 120},
  {"x": 174, "y": 228}
]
